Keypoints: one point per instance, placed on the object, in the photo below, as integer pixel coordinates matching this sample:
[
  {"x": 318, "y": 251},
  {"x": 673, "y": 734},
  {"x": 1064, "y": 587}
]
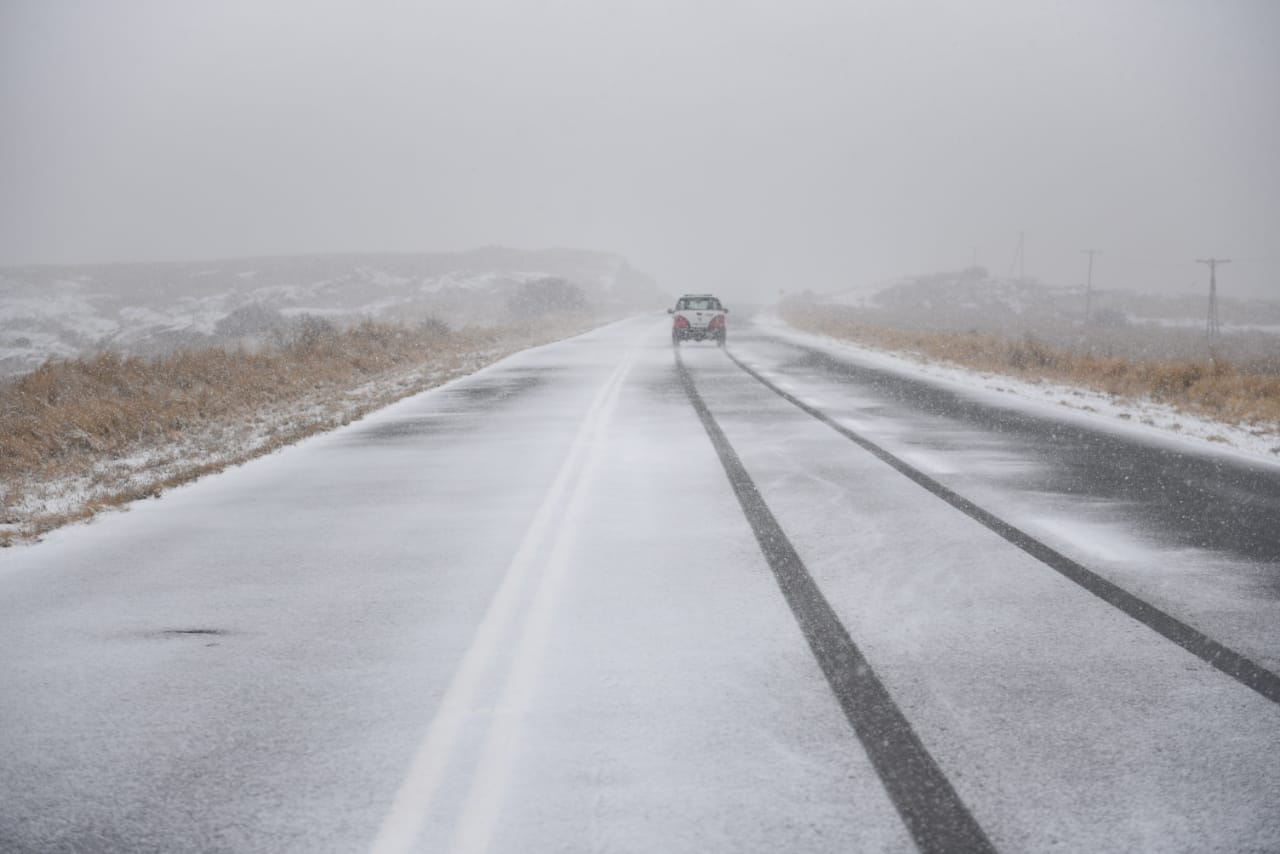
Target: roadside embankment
[
  {"x": 81, "y": 435},
  {"x": 1247, "y": 396}
]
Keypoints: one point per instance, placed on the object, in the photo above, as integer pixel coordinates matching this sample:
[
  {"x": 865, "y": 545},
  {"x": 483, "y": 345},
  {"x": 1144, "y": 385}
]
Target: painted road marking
[{"x": 405, "y": 818}]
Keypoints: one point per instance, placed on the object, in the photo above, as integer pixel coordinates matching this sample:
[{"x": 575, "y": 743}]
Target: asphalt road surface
[{"x": 607, "y": 596}]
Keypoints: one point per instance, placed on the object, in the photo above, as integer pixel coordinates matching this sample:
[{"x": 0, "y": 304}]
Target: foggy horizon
[{"x": 737, "y": 148}]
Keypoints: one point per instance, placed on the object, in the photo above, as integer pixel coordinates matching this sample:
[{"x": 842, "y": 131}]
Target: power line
[{"x": 1019, "y": 258}]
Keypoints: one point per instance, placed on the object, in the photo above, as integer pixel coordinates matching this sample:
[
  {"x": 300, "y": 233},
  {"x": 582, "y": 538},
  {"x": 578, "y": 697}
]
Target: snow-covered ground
[
  {"x": 1198, "y": 323},
  {"x": 525, "y": 611},
  {"x": 207, "y": 446},
  {"x": 1136, "y": 417}
]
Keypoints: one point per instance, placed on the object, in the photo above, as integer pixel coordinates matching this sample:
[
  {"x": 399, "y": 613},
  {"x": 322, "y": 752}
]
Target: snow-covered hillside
[{"x": 147, "y": 308}]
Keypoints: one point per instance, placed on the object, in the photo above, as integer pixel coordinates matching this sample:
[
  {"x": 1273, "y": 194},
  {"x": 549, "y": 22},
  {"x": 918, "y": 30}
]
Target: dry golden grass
[
  {"x": 113, "y": 429},
  {"x": 1215, "y": 389}
]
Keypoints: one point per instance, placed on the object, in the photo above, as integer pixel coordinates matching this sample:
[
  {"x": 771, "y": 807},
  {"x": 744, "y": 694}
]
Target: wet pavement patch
[
  {"x": 198, "y": 631},
  {"x": 406, "y": 428},
  {"x": 484, "y": 393},
  {"x": 1189, "y": 500},
  {"x": 667, "y": 386},
  {"x": 465, "y": 402}
]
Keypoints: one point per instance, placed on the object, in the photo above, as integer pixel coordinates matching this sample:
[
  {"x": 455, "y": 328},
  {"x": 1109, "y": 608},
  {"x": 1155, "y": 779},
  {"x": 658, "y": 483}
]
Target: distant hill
[
  {"x": 972, "y": 299},
  {"x": 146, "y": 308}
]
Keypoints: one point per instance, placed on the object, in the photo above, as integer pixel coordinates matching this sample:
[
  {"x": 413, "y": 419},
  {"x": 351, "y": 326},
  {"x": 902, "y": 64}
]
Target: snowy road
[{"x": 597, "y": 598}]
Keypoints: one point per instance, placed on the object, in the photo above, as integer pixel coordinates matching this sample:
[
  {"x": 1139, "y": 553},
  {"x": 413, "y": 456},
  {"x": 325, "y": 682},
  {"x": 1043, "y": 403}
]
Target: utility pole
[
  {"x": 1019, "y": 259},
  {"x": 1211, "y": 327},
  {"x": 1088, "y": 285}
]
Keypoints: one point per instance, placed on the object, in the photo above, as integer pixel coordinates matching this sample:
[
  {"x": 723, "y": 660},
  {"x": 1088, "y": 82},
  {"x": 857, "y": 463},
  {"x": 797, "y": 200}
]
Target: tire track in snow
[
  {"x": 936, "y": 818},
  {"x": 1228, "y": 661}
]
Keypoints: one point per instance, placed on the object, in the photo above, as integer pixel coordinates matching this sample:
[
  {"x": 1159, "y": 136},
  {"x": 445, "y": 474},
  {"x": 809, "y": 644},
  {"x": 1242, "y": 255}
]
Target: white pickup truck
[{"x": 698, "y": 317}]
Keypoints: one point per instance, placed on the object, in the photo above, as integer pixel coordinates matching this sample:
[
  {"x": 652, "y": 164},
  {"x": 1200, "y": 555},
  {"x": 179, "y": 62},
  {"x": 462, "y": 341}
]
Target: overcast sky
[{"x": 729, "y": 145}]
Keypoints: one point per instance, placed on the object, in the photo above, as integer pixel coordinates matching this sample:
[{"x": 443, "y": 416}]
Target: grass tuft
[
  {"x": 78, "y": 436},
  {"x": 1245, "y": 396}
]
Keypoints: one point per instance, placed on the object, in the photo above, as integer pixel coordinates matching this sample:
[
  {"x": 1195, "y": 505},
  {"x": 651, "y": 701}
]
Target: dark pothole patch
[
  {"x": 193, "y": 632},
  {"x": 209, "y": 636}
]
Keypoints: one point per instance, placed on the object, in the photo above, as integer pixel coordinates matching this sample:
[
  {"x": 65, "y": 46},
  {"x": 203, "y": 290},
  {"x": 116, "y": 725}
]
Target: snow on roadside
[
  {"x": 212, "y": 446},
  {"x": 1145, "y": 418},
  {"x": 34, "y": 506}
]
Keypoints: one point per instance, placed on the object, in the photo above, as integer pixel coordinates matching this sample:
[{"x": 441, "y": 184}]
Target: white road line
[
  {"x": 475, "y": 828},
  {"x": 408, "y": 811}
]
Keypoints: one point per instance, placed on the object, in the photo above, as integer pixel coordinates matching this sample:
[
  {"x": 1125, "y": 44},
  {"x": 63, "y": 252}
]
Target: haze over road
[{"x": 602, "y": 596}]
